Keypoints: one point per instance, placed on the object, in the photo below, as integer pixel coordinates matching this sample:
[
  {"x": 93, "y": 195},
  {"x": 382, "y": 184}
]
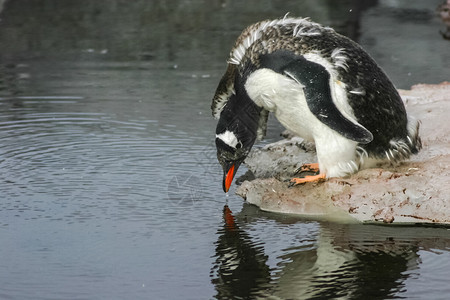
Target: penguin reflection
[
  {"x": 346, "y": 264},
  {"x": 240, "y": 269},
  {"x": 341, "y": 262}
]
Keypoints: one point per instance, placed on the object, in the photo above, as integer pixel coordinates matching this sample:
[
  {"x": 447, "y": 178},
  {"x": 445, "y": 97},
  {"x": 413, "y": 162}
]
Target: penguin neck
[
  {"x": 241, "y": 116},
  {"x": 246, "y": 109}
]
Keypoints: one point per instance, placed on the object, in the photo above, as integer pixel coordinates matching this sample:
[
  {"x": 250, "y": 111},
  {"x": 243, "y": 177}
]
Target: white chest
[{"x": 285, "y": 98}]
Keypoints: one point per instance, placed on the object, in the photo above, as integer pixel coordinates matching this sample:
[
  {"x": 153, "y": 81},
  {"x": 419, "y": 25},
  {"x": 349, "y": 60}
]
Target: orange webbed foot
[{"x": 314, "y": 168}]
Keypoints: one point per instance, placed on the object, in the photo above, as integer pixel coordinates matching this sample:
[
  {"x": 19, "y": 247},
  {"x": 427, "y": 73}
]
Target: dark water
[{"x": 109, "y": 186}]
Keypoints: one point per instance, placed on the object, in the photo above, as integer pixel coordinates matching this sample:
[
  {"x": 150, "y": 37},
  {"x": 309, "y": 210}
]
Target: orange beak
[
  {"x": 229, "y": 178},
  {"x": 229, "y": 218}
]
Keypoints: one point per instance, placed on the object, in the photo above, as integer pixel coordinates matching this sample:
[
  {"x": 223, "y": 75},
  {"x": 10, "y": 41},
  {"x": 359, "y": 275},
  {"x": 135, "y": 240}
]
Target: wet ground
[{"x": 109, "y": 184}]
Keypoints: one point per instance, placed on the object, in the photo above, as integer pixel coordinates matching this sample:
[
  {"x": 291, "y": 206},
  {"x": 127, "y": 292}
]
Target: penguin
[{"x": 320, "y": 85}]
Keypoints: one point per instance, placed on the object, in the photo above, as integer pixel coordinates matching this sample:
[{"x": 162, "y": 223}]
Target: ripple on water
[{"x": 82, "y": 165}]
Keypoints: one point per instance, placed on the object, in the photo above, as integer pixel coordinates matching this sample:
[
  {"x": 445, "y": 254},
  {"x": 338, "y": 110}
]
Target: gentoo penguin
[{"x": 319, "y": 84}]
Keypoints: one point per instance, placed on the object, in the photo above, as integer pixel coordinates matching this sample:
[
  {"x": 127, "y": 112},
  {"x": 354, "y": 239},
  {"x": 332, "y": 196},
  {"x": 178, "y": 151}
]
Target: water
[{"x": 109, "y": 184}]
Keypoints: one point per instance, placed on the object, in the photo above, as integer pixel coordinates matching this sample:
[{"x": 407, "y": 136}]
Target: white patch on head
[{"x": 229, "y": 138}]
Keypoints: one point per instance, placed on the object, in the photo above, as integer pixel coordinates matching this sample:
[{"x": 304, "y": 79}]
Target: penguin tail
[
  {"x": 400, "y": 149},
  {"x": 413, "y": 138}
]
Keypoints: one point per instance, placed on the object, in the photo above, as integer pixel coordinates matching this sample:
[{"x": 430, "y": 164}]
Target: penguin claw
[
  {"x": 315, "y": 178},
  {"x": 314, "y": 167}
]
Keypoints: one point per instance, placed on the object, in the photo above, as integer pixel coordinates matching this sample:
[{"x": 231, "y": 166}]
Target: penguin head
[
  {"x": 236, "y": 133},
  {"x": 230, "y": 153}
]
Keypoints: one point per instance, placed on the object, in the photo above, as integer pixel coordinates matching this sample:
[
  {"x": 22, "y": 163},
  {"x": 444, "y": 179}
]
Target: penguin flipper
[{"x": 315, "y": 80}]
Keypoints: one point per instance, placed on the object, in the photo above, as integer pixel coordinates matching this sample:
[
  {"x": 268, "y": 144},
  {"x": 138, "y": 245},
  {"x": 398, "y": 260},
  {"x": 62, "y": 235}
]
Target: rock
[{"x": 414, "y": 191}]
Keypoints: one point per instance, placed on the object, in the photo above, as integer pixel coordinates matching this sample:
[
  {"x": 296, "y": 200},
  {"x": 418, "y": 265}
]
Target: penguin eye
[{"x": 239, "y": 145}]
